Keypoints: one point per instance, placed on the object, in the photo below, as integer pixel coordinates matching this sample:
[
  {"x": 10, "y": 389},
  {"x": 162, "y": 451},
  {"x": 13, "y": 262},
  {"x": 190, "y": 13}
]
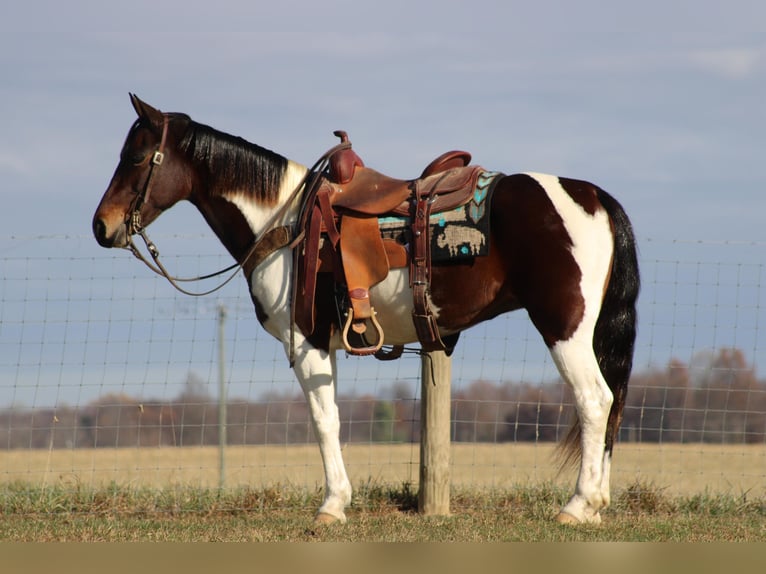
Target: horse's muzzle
[{"x": 117, "y": 238}]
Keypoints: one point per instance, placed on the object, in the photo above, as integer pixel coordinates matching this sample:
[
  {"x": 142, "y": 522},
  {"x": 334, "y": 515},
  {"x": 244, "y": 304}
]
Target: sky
[{"x": 661, "y": 103}]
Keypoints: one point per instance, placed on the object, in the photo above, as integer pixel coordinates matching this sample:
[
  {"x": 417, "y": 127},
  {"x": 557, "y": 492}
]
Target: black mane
[{"x": 234, "y": 162}]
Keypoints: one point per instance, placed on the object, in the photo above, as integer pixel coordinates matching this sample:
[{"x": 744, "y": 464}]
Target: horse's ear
[{"x": 144, "y": 110}]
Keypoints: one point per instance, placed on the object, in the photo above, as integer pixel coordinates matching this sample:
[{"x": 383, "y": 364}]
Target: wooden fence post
[{"x": 435, "y": 400}]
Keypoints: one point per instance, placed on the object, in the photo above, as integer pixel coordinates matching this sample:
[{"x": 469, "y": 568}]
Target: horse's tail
[{"x": 615, "y": 333}]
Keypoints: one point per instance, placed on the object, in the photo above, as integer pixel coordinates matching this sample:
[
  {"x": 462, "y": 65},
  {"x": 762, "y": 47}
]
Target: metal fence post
[{"x": 221, "y": 397}]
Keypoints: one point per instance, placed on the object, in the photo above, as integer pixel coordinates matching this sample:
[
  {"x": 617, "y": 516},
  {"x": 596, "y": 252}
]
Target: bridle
[
  {"x": 155, "y": 161},
  {"x": 273, "y": 238},
  {"x": 135, "y": 227}
]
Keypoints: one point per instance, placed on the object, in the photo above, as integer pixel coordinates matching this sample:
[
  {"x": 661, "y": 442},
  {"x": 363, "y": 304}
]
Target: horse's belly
[{"x": 392, "y": 301}]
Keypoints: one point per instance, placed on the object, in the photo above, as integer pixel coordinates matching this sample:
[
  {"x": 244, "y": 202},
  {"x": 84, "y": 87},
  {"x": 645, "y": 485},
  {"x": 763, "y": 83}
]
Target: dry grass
[{"x": 675, "y": 469}]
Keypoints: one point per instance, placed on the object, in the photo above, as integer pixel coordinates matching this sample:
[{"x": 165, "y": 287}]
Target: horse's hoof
[
  {"x": 324, "y": 518},
  {"x": 566, "y": 518}
]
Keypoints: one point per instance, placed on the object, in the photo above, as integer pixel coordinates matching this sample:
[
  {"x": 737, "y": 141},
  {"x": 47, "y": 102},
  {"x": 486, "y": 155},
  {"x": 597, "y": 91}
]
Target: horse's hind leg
[
  {"x": 576, "y": 273},
  {"x": 578, "y": 366}
]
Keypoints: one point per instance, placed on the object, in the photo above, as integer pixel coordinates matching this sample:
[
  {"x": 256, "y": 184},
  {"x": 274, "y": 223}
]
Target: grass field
[
  {"x": 674, "y": 468},
  {"x": 499, "y": 493},
  {"x": 183, "y": 514}
]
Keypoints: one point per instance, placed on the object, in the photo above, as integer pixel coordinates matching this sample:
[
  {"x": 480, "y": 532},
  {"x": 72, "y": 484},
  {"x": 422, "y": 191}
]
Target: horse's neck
[
  {"x": 235, "y": 214},
  {"x": 269, "y": 283},
  {"x": 262, "y": 216}
]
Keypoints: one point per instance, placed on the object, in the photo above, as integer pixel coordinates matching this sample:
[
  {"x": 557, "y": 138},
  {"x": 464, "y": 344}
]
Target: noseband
[{"x": 275, "y": 237}]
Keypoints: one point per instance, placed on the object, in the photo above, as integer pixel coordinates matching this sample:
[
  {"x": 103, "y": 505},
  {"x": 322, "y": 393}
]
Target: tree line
[{"x": 717, "y": 398}]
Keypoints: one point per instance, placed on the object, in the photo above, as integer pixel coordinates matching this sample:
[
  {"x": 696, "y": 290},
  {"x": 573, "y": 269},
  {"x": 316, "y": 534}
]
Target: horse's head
[{"x": 148, "y": 180}]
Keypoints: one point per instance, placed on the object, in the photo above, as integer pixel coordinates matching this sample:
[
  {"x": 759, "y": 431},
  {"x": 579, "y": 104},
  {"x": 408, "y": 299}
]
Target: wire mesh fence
[{"x": 109, "y": 375}]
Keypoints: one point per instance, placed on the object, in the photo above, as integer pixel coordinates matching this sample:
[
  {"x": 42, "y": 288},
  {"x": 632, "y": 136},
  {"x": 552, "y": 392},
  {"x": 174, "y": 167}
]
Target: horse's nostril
[
  {"x": 99, "y": 231},
  {"x": 98, "y": 228}
]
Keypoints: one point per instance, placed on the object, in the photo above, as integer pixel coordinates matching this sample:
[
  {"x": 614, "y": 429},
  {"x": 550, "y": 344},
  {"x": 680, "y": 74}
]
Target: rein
[{"x": 273, "y": 238}]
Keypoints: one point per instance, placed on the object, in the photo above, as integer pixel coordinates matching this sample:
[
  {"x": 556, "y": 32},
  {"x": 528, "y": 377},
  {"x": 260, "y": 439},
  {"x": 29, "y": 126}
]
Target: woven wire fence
[{"x": 110, "y": 376}]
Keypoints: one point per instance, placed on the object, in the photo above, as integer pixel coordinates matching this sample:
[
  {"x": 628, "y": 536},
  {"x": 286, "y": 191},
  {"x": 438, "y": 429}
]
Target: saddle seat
[
  {"x": 346, "y": 211},
  {"x": 363, "y": 190}
]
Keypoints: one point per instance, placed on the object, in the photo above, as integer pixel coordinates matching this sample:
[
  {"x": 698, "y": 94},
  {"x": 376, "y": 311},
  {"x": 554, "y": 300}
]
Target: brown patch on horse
[
  {"x": 228, "y": 222},
  {"x": 583, "y": 193},
  {"x": 529, "y": 265}
]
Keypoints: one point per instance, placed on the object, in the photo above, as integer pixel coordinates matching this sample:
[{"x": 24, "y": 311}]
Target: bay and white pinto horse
[{"x": 560, "y": 248}]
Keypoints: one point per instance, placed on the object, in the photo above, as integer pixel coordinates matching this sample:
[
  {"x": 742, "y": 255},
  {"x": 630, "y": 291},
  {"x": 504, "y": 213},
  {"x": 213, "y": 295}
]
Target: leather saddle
[{"x": 342, "y": 236}]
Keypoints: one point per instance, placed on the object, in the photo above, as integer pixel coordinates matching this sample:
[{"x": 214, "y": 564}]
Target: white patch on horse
[
  {"x": 592, "y": 243},
  {"x": 259, "y": 217},
  {"x": 392, "y": 300},
  {"x": 270, "y": 281}
]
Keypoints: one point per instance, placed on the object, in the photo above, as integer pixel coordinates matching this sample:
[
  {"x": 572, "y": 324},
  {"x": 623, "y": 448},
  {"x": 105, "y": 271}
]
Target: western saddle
[{"x": 340, "y": 234}]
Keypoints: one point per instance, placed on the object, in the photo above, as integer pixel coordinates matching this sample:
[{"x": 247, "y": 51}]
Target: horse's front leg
[{"x": 316, "y": 370}]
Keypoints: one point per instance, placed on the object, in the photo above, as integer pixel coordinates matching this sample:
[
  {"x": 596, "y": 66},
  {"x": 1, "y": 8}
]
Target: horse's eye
[
  {"x": 137, "y": 158},
  {"x": 134, "y": 157}
]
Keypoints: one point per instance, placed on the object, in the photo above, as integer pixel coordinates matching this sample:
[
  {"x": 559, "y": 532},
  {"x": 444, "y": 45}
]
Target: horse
[{"x": 562, "y": 249}]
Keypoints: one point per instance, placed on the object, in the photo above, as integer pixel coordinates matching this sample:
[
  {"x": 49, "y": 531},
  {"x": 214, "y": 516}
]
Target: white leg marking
[
  {"x": 593, "y": 399},
  {"x": 316, "y": 371}
]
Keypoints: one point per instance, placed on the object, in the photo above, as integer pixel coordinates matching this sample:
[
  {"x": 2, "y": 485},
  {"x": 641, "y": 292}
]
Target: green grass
[{"x": 378, "y": 513}]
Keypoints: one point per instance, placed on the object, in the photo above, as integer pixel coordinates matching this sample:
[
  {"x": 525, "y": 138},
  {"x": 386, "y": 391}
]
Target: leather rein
[{"x": 273, "y": 238}]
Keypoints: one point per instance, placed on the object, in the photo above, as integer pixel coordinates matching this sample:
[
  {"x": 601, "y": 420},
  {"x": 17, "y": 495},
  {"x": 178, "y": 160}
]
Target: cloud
[
  {"x": 13, "y": 164},
  {"x": 732, "y": 63}
]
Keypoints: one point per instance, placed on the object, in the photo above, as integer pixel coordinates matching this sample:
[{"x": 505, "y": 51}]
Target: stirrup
[{"x": 369, "y": 350}]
